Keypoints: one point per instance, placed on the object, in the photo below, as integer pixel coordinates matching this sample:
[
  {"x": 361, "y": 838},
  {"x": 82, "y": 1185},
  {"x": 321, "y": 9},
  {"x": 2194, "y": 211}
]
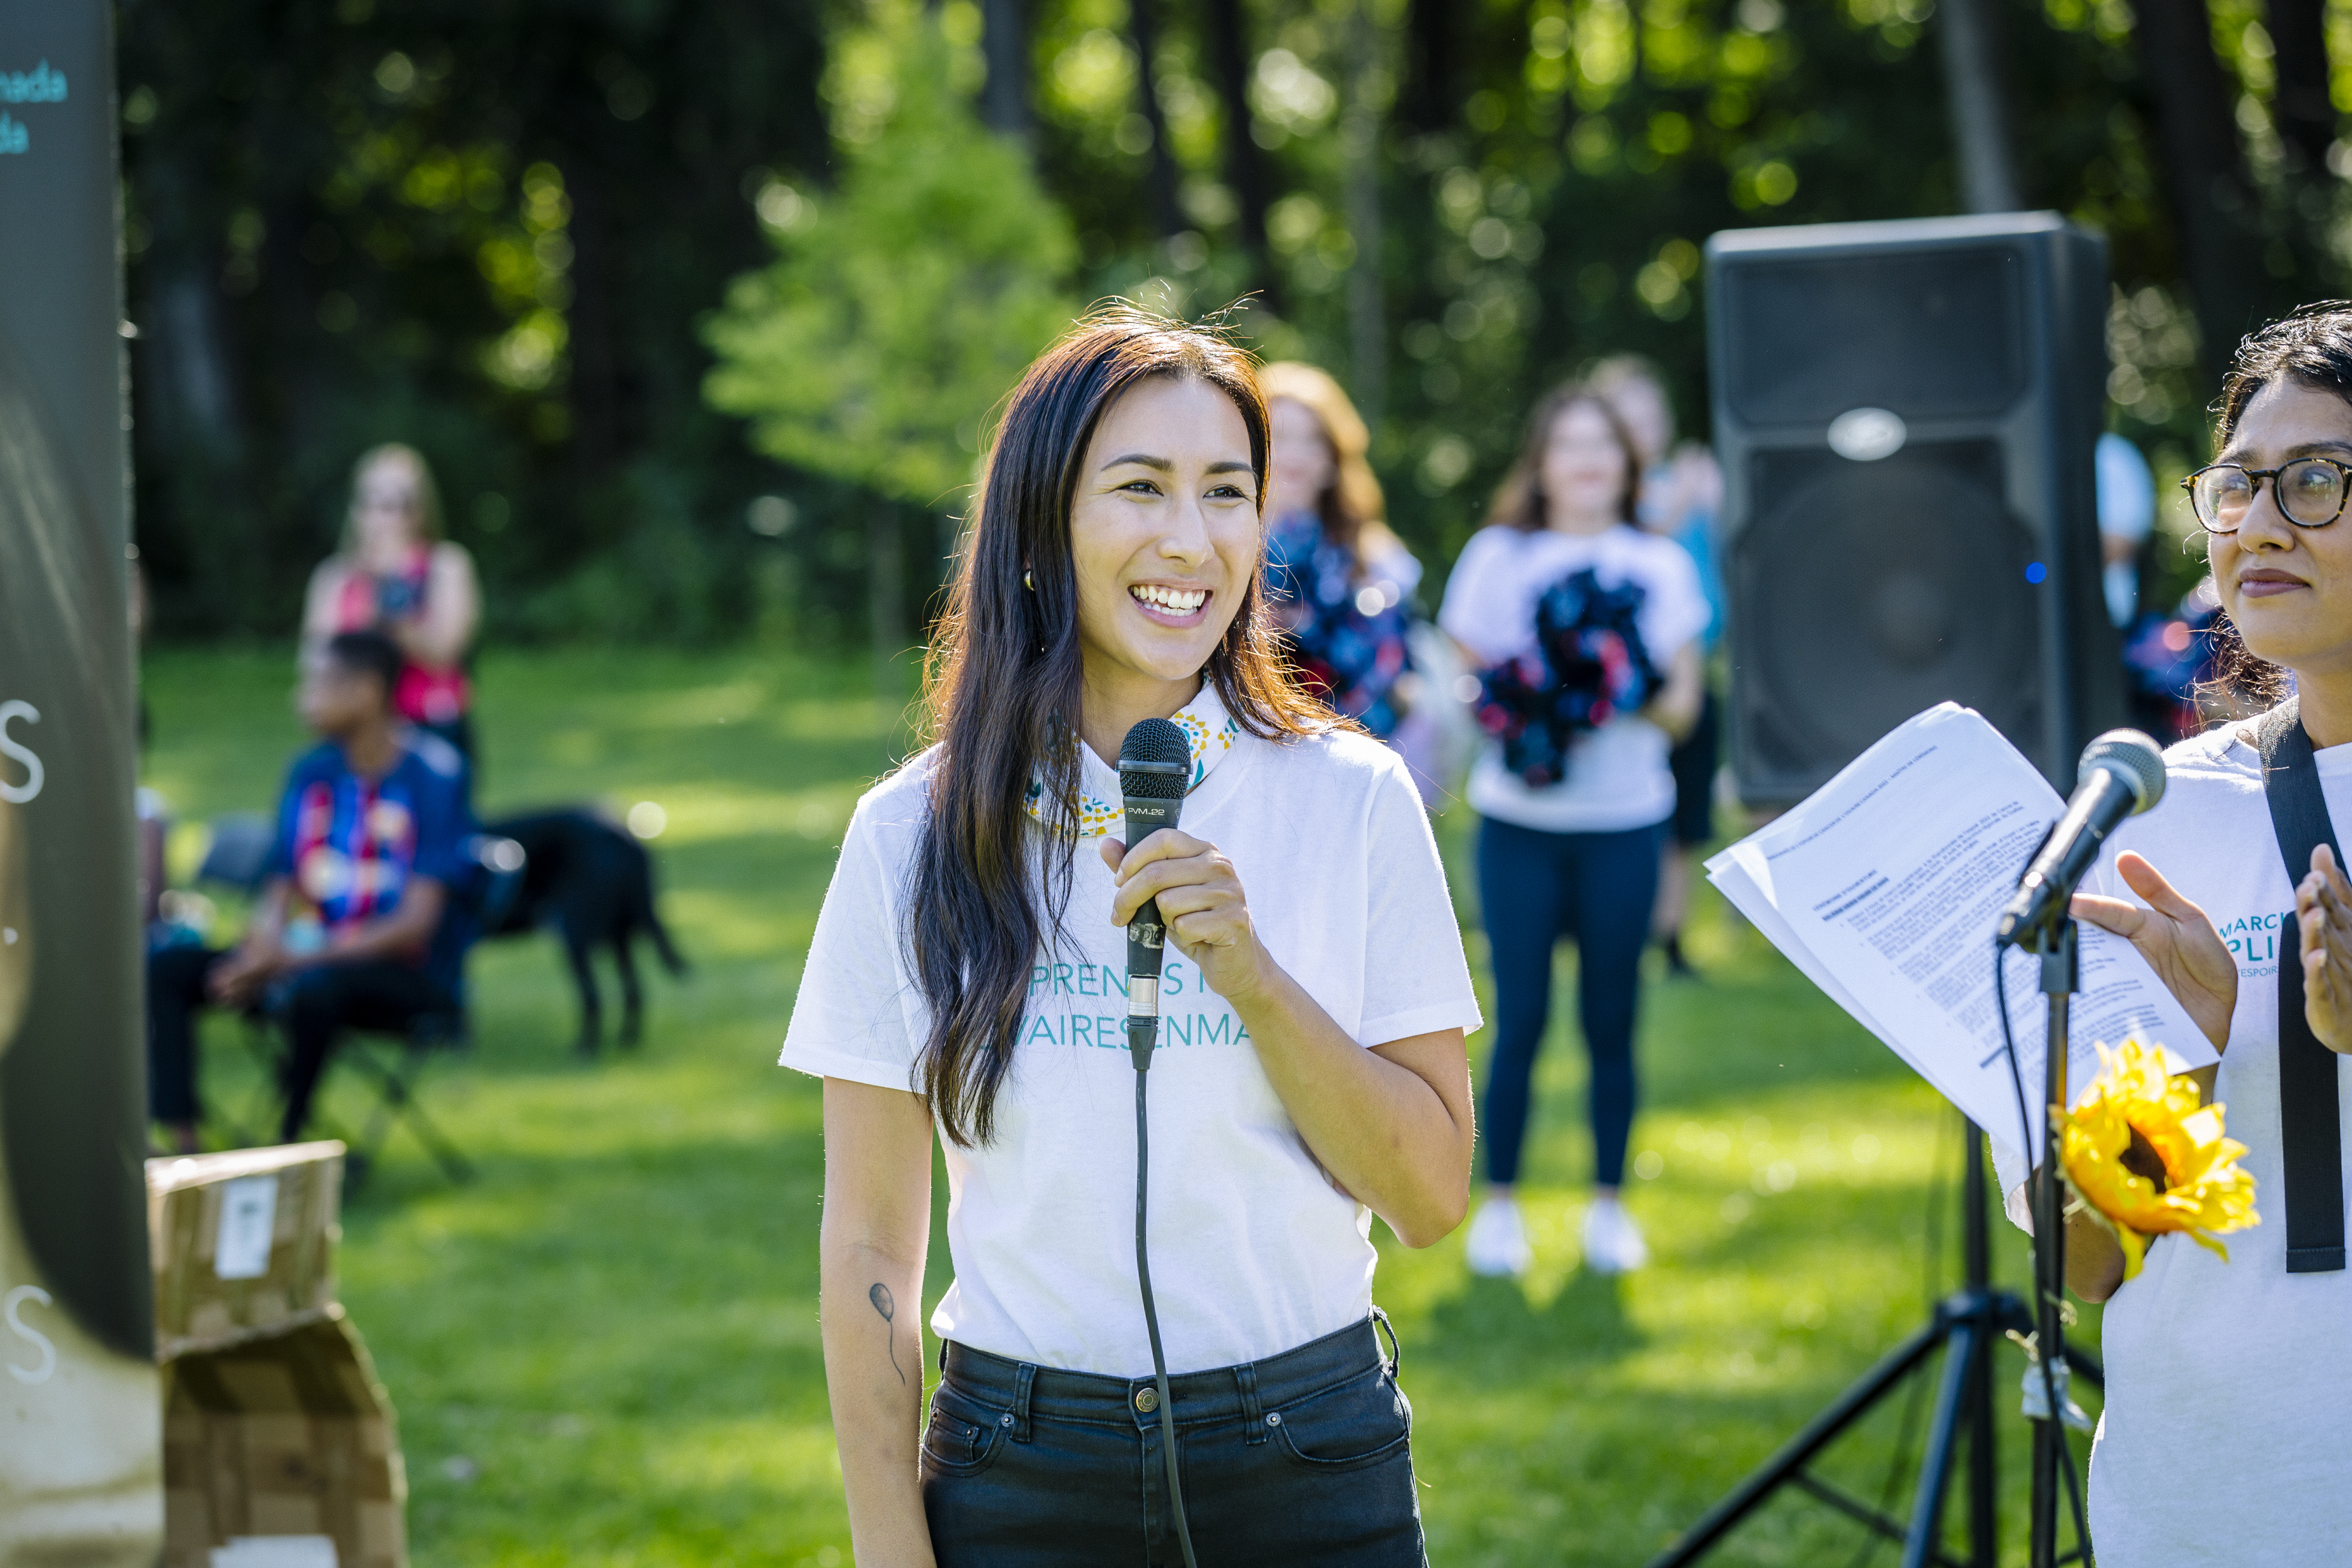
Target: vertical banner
[{"x": 80, "y": 1432}]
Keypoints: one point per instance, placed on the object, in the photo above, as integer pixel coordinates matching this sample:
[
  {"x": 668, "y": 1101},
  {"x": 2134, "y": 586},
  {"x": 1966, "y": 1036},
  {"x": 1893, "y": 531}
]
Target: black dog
[{"x": 593, "y": 884}]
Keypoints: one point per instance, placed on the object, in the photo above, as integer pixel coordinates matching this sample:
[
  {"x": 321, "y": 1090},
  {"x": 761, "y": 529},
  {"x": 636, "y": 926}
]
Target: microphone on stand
[
  {"x": 2120, "y": 776},
  {"x": 1155, "y": 763}
]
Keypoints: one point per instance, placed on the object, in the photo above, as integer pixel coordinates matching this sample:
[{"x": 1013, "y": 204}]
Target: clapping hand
[
  {"x": 2187, "y": 954},
  {"x": 2323, "y": 909}
]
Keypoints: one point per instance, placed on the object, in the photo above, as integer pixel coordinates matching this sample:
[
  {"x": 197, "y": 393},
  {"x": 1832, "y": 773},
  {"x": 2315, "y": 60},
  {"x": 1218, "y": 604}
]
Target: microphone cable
[
  {"x": 1155, "y": 766},
  {"x": 1142, "y": 1035}
]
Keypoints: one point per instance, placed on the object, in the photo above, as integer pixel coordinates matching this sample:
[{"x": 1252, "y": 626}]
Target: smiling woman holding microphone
[
  {"x": 2228, "y": 1383},
  {"x": 965, "y": 982}
]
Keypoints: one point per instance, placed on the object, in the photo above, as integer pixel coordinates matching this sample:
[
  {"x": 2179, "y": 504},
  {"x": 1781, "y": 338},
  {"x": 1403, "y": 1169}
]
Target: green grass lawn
[{"x": 605, "y": 1350}]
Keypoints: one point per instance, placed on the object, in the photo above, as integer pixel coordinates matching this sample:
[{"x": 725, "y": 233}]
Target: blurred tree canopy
[
  {"x": 501, "y": 230},
  {"x": 901, "y": 307},
  {"x": 905, "y": 303}
]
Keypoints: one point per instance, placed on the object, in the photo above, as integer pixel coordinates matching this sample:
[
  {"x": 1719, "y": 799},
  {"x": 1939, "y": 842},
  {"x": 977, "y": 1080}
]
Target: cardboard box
[
  {"x": 285, "y": 1434},
  {"x": 276, "y": 1435},
  {"x": 243, "y": 1243}
]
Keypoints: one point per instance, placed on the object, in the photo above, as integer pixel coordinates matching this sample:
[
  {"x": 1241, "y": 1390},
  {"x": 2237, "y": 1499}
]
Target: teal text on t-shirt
[{"x": 1066, "y": 1026}]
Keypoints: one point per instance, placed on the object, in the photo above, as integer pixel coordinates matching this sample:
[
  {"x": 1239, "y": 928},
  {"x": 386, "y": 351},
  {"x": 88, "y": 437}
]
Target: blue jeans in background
[
  {"x": 1302, "y": 1459},
  {"x": 1595, "y": 890}
]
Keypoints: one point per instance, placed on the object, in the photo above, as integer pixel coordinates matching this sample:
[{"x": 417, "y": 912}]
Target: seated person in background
[{"x": 354, "y": 928}]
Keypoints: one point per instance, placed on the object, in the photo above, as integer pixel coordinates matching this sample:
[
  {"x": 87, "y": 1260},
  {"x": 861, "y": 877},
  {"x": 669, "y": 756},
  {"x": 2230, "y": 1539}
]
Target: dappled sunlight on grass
[{"x": 604, "y": 1350}]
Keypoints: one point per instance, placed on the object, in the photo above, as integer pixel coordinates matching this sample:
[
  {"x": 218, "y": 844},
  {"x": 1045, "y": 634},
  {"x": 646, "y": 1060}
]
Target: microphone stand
[
  {"x": 2057, "y": 941},
  {"x": 1966, "y": 1326}
]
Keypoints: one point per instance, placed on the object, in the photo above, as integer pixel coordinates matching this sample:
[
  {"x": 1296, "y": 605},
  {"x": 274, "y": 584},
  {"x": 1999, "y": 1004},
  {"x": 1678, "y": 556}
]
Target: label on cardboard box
[
  {"x": 276, "y": 1551},
  {"x": 249, "y": 1215}
]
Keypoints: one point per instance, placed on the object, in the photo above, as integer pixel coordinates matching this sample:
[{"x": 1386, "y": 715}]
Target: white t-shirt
[
  {"x": 2228, "y": 1385},
  {"x": 1617, "y": 774},
  {"x": 1253, "y": 1252}
]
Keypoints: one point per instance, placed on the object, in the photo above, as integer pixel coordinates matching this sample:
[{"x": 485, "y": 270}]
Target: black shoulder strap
[{"x": 2310, "y": 1126}]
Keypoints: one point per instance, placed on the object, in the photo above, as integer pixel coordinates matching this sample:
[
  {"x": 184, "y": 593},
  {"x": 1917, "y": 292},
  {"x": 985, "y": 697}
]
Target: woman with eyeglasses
[{"x": 2228, "y": 1383}]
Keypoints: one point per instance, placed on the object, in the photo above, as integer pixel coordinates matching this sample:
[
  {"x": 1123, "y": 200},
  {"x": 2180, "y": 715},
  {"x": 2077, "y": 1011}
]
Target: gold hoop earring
[{"x": 1028, "y": 580}]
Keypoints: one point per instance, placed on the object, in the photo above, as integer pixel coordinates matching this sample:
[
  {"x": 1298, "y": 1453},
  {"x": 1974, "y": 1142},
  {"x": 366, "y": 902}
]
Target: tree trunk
[
  {"x": 2212, "y": 196},
  {"x": 1229, "y": 56},
  {"x": 597, "y": 426},
  {"x": 2305, "y": 111},
  {"x": 1004, "y": 39},
  {"x": 1427, "y": 103},
  {"x": 1976, "y": 95},
  {"x": 885, "y": 592},
  {"x": 1143, "y": 30},
  {"x": 1359, "y": 148}
]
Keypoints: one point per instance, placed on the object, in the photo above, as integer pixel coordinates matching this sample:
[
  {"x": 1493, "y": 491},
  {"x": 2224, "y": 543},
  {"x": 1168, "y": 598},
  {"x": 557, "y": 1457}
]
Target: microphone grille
[
  {"x": 2134, "y": 758},
  {"x": 1160, "y": 745}
]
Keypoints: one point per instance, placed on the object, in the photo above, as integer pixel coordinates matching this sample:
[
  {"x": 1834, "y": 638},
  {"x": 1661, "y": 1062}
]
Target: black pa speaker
[{"x": 1905, "y": 413}]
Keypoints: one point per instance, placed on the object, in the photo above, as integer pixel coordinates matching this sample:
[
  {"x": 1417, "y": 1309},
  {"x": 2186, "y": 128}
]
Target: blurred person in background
[
  {"x": 1337, "y": 581},
  {"x": 1571, "y": 608},
  {"x": 354, "y": 927},
  {"x": 1682, "y": 495},
  {"x": 964, "y": 986},
  {"x": 396, "y": 573},
  {"x": 2127, "y": 492}
]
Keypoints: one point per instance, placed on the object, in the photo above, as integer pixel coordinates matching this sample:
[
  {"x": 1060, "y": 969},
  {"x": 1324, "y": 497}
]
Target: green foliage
[
  {"x": 482, "y": 227},
  {"x": 907, "y": 303},
  {"x": 507, "y": 232}
]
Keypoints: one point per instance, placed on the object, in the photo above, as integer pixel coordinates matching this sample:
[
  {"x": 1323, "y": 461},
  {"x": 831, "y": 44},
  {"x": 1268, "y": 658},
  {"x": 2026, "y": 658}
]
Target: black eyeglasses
[{"x": 2311, "y": 492}]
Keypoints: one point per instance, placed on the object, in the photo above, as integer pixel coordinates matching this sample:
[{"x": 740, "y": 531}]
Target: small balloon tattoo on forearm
[{"x": 880, "y": 1296}]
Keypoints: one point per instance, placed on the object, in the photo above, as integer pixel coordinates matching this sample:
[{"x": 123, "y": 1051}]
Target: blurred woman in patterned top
[{"x": 1338, "y": 582}]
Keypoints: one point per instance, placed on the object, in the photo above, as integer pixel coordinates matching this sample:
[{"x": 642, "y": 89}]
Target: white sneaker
[
  {"x": 1612, "y": 1242},
  {"x": 1498, "y": 1247}
]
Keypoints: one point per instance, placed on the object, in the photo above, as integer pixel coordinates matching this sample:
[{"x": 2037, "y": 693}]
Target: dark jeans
[
  {"x": 1596, "y": 889},
  {"x": 316, "y": 1005},
  {"x": 1302, "y": 1458},
  {"x": 1693, "y": 762}
]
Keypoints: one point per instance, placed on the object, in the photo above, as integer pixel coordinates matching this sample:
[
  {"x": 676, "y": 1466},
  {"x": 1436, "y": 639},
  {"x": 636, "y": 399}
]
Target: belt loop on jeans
[
  {"x": 1252, "y": 1421},
  {"x": 1022, "y": 1380},
  {"x": 1396, "y": 1352}
]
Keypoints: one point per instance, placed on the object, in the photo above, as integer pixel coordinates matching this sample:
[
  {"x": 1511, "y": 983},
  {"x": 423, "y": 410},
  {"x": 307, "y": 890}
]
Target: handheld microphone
[
  {"x": 2121, "y": 774},
  {"x": 1155, "y": 763}
]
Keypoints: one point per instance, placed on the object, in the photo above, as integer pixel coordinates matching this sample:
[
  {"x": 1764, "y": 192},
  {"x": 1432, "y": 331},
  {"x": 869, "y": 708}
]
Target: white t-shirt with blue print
[{"x": 1253, "y": 1252}]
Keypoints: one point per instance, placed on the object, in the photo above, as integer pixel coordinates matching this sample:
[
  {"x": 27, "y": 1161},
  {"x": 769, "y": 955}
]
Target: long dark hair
[
  {"x": 1002, "y": 692},
  {"x": 2312, "y": 346},
  {"x": 1519, "y": 499}
]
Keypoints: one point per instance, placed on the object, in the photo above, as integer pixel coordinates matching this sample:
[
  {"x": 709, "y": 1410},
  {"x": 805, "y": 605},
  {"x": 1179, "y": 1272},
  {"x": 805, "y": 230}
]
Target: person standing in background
[
  {"x": 1682, "y": 495},
  {"x": 2127, "y": 516},
  {"x": 1338, "y": 582},
  {"x": 1560, "y": 583},
  {"x": 397, "y": 574}
]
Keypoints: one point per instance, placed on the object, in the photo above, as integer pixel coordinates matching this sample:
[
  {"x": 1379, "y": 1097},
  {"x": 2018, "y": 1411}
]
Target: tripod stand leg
[
  {"x": 1984, "y": 1519},
  {"x": 1783, "y": 1468},
  {"x": 1961, "y": 1355}
]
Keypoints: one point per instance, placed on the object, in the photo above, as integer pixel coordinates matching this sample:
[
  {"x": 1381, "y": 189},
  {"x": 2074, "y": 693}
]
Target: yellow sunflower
[{"x": 2143, "y": 1157}]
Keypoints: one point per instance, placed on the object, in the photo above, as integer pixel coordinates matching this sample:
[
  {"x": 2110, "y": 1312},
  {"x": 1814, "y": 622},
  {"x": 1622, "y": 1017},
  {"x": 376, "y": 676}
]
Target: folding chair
[{"x": 394, "y": 1062}]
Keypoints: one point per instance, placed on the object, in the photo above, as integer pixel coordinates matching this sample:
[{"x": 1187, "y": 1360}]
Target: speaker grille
[
  {"x": 1933, "y": 334},
  {"x": 1870, "y": 591}
]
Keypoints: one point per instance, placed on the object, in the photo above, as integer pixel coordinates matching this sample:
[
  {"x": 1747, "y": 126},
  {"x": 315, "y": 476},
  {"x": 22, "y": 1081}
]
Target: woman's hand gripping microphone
[{"x": 1201, "y": 902}]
